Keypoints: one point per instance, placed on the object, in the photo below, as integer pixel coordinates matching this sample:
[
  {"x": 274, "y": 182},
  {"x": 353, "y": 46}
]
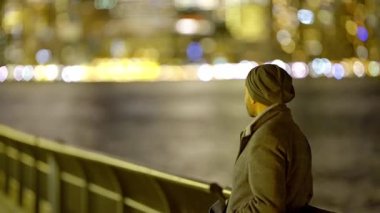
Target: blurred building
[{"x": 187, "y": 31}]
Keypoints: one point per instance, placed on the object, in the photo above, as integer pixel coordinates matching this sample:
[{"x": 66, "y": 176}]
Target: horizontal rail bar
[{"x": 98, "y": 157}]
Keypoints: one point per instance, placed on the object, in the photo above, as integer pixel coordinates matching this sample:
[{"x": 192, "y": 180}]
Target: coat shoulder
[{"x": 275, "y": 132}]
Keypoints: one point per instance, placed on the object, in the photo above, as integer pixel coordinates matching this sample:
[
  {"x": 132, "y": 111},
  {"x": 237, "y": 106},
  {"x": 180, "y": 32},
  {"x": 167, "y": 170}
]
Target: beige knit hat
[{"x": 270, "y": 84}]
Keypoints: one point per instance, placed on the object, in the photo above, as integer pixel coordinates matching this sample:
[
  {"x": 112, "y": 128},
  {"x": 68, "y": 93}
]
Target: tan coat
[{"x": 273, "y": 170}]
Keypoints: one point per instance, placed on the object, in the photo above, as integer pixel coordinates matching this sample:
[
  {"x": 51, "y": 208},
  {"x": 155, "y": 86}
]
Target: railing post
[
  {"x": 3, "y": 168},
  {"x": 53, "y": 183},
  {"x": 14, "y": 185}
]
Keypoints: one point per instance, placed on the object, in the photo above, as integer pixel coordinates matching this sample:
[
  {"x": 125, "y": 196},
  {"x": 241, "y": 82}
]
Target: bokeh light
[
  {"x": 43, "y": 56},
  {"x": 283, "y": 65},
  {"x": 284, "y": 37},
  {"x": 52, "y": 72},
  {"x": 347, "y": 65},
  {"x": 305, "y": 16},
  {"x": 242, "y": 69},
  {"x": 351, "y": 27},
  {"x": 187, "y": 26},
  {"x": 223, "y": 71},
  {"x": 194, "y": 51},
  {"x": 3, "y": 73},
  {"x": 314, "y": 47},
  {"x": 14, "y": 53},
  {"x": 299, "y": 70},
  {"x": 118, "y": 48},
  {"x": 362, "y": 33},
  {"x": 27, "y": 73},
  {"x": 321, "y": 66},
  {"x": 325, "y": 17},
  {"x": 338, "y": 71},
  {"x": 289, "y": 48},
  {"x": 372, "y": 20},
  {"x": 359, "y": 69},
  {"x": 103, "y": 5},
  {"x": 374, "y": 68},
  {"x": 205, "y": 72},
  {"x": 362, "y": 52},
  {"x": 73, "y": 73},
  {"x": 17, "y": 72}
]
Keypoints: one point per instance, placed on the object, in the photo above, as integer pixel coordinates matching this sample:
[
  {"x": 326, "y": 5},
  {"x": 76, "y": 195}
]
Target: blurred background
[{"x": 159, "y": 82}]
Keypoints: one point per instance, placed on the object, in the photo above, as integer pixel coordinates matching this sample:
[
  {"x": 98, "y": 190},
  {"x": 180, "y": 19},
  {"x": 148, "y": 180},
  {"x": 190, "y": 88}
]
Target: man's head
[{"x": 266, "y": 85}]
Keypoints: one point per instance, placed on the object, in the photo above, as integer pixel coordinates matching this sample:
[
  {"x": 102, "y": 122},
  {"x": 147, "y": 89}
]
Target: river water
[{"x": 192, "y": 128}]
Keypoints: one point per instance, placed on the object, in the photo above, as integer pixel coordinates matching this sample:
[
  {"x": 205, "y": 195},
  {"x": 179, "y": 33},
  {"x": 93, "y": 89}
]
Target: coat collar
[
  {"x": 249, "y": 129},
  {"x": 258, "y": 121}
]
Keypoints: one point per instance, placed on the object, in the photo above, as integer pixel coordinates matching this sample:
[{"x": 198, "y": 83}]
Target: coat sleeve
[{"x": 266, "y": 177}]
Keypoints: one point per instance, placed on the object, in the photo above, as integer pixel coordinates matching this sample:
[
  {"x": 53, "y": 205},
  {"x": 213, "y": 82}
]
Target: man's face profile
[{"x": 249, "y": 103}]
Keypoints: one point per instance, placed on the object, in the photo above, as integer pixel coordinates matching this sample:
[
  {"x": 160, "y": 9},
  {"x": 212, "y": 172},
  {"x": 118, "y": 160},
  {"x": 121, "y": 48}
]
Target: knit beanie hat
[{"x": 270, "y": 84}]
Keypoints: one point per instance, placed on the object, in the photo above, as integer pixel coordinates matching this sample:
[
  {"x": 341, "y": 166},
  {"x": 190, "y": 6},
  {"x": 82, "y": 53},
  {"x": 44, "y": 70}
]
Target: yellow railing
[{"x": 40, "y": 175}]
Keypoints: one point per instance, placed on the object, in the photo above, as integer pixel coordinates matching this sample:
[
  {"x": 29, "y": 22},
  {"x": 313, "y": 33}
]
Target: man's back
[{"x": 273, "y": 172}]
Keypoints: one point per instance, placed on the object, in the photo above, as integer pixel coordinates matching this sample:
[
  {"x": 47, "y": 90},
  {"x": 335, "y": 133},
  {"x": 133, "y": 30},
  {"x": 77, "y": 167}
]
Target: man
[{"x": 272, "y": 172}]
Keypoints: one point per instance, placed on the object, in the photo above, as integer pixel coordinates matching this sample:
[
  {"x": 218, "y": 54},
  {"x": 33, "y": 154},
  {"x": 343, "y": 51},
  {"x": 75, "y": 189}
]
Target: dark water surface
[{"x": 192, "y": 128}]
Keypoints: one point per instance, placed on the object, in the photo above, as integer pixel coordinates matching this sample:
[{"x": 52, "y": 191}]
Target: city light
[
  {"x": 73, "y": 73},
  {"x": 124, "y": 41},
  {"x": 105, "y": 4},
  {"x": 127, "y": 70},
  {"x": 242, "y": 69},
  {"x": 52, "y": 72},
  {"x": 374, "y": 68},
  {"x": 27, "y": 73},
  {"x": 283, "y": 65},
  {"x": 359, "y": 69},
  {"x": 314, "y": 47},
  {"x": 305, "y": 16},
  {"x": 205, "y": 72},
  {"x": 48, "y": 72},
  {"x": 362, "y": 52},
  {"x": 3, "y": 73},
  {"x": 17, "y": 72},
  {"x": 326, "y": 17},
  {"x": 223, "y": 71},
  {"x": 283, "y": 37},
  {"x": 299, "y": 70},
  {"x": 362, "y": 33},
  {"x": 351, "y": 27},
  {"x": 43, "y": 56},
  {"x": 194, "y": 51},
  {"x": 189, "y": 26},
  {"x": 321, "y": 66},
  {"x": 338, "y": 71}
]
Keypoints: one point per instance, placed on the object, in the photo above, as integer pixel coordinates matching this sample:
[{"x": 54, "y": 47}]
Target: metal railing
[{"x": 44, "y": 176}]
